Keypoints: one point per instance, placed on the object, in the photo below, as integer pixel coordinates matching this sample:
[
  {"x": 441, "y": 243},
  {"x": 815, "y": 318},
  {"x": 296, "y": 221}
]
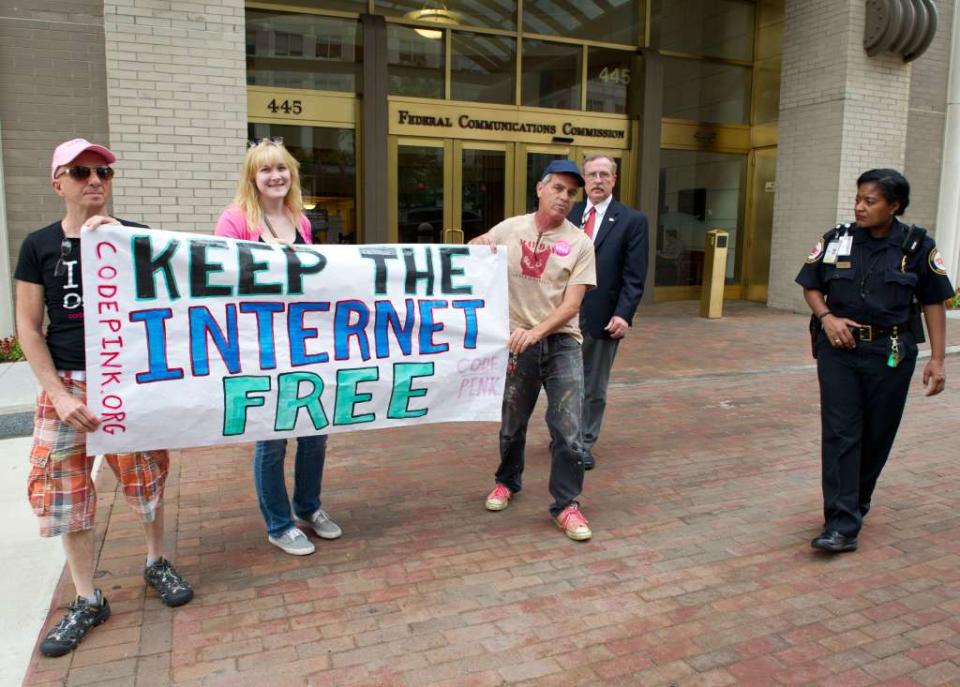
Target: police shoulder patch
[
  {"x": 816, "y": 253},
  {"x": 936, "y": 262}
]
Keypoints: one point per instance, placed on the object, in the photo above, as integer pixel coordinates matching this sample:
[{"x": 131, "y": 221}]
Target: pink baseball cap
[{"x": 69, "y": 151}]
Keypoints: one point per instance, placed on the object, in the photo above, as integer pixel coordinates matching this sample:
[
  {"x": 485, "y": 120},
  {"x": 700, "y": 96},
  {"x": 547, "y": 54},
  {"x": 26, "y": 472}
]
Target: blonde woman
[{"x": 268, "y": 207}]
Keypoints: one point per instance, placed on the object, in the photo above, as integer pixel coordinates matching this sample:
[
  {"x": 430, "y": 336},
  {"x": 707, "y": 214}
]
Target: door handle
[{"x": 453, "y": 236}]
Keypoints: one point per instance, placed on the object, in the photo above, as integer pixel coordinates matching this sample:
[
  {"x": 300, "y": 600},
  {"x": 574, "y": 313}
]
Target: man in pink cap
[{"x": 60, "y": 486}]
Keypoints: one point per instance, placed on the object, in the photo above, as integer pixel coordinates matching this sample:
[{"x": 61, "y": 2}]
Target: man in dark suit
[{"x": 620, "y": 239}]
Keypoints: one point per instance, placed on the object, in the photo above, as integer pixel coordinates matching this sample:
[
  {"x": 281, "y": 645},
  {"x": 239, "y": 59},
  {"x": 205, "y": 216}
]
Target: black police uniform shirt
[
  {"x": 62, "y": 295},
  {"x": 874, "y": 284}
]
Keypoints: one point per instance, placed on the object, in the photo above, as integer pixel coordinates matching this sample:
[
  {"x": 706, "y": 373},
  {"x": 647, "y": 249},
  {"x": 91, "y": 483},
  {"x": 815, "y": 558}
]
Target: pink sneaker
[
  {"x": 499, "y": 498},
  {"x": 573, "y": 523}
]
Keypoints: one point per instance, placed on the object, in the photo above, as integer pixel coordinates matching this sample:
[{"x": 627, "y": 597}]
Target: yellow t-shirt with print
[{"x": 540, "y": 266}]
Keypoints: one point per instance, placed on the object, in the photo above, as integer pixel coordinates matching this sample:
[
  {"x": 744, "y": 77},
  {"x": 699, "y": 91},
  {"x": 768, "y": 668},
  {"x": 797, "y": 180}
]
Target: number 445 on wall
[
  {"x": 285, "y": 106},
  {"x": 615, "y": 75}
]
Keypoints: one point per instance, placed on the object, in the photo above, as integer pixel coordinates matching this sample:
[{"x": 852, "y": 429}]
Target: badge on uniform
[
  {"x": 815, "y": 253},
  {"x": 937, "y": 263},
  {"x": 844, "y": 265},
  {"x": 830, "y": 256}
]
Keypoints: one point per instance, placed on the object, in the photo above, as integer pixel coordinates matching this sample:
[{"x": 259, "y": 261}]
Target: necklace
[{"x": 274, "y": 233}]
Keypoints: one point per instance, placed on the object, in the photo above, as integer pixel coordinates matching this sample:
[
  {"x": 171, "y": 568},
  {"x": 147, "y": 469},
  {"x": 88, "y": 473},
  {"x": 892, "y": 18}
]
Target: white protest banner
[{"x": 194, "y": 340}]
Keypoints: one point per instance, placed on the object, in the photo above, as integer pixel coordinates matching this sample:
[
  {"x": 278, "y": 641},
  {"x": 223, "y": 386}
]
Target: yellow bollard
[{"x": 714, "y": 274}]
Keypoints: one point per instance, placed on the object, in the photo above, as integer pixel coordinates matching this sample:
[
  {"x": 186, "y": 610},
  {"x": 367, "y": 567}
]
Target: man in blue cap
[{"x": 550, "y": 266}]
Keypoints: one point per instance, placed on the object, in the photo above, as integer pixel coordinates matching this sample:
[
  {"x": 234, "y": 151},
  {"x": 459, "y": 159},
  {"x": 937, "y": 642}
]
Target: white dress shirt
[{"x": 601, "y": 209}]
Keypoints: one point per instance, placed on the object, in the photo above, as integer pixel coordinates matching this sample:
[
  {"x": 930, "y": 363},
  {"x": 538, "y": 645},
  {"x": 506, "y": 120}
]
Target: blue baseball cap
[{"x": 564, "y": 167}]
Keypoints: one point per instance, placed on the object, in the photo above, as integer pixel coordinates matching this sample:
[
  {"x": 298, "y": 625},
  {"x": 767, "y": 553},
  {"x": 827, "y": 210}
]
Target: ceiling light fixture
[{"x": 433, "y": 15}]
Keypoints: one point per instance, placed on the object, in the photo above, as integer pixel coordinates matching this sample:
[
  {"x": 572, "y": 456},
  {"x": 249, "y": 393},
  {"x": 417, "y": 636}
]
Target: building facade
[{"x": 422, "y": 121}]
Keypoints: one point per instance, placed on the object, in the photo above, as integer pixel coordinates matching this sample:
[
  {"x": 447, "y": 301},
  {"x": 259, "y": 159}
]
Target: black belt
[{"x": 869, "y": 332}]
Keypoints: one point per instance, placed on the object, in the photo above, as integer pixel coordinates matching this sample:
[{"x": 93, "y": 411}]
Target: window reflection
[
  {"x": 414, "y": 63},
  {"x": 610, "y": 21},
  {"x": 356, "y": 6},
  {"x": 302, "y": 51},
  {"x": 608, "y": 76},
  {"x": 698, "y": 192},
  {"x": 706, "y": 91},
  {"x": 713, "y": 28},
  {"x": 328, "y": 176},
  {"x": 483, "y": 68},
  {"x": 551, "y": 75}
]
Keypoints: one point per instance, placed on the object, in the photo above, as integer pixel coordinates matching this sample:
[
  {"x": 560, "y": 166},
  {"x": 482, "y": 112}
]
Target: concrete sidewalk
[
  {"x": 18, "y": 395},
  {"x": 32, "y": 566},
  {"x": 700, "y": 572}
]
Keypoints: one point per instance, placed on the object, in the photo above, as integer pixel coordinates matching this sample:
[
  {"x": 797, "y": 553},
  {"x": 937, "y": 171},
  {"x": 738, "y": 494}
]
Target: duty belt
[{"x": 869, "y": 332}]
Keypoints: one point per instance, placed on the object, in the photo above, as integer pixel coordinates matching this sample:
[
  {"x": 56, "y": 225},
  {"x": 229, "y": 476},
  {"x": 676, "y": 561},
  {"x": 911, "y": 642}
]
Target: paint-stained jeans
[{"x": 555, "y": 364}]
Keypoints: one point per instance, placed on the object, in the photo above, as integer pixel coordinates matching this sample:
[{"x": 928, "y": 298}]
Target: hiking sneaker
[
  {"x": 294, "y": 542},
  {"x": 323, "y": 525},
  {"x": 499, "y": 498},
  {"x": 573, "y": 523},
  {"x": 74, "y": 625},
  {"x": 173, "y": 589}
]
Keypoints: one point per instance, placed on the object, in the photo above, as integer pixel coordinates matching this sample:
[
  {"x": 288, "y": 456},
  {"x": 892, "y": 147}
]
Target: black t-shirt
[
  {"x": 62, "y": 295},
  {"x": 876, "y": 282}
]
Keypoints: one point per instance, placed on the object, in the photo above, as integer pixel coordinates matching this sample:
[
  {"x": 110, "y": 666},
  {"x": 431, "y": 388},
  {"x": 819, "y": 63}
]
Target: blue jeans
[
  {"x": 555, "y": 363},
  {"x": 272, "y": 487}
]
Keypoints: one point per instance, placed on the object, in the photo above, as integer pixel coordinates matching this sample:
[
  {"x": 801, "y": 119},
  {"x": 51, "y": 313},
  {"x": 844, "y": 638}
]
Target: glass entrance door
[
  {"x": 419, "y": 206},
  {"x": 446, "y": 190},
  {"x": 482, "y": 174}
]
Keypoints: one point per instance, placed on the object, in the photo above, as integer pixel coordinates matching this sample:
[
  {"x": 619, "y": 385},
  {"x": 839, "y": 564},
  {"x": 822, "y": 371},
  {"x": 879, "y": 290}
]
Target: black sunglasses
[
  {"x": 82, "y": 172},
  {"x": 65, "y": 247},
  {"x": 276, "y": 140}
]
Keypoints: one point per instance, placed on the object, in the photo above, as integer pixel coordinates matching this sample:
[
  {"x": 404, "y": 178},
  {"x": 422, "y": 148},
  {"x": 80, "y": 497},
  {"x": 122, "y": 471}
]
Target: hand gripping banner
[{"x": 194, "y": 340}]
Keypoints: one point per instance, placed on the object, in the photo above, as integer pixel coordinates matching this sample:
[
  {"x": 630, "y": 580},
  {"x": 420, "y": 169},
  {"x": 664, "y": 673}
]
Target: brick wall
[
  {"x": 841, "y": 113},
  {"x": 52, "y": 88},
  {"x": 176, "y": 79}
]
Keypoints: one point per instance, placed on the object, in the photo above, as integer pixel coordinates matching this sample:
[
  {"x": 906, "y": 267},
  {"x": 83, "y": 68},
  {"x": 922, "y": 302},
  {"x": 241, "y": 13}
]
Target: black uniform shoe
[
  {"x": 80, "y": 617},
  {"x": 173, "y": 589},
  {"x": 834, "y": 542}
]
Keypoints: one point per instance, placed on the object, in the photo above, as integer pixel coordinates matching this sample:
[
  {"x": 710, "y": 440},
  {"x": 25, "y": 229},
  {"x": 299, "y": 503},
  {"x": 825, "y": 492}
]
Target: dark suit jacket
[{"x": 621, "y": 249}]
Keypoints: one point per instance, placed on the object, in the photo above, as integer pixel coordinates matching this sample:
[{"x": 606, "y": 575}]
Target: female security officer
[{"x": 860, "y": 281}]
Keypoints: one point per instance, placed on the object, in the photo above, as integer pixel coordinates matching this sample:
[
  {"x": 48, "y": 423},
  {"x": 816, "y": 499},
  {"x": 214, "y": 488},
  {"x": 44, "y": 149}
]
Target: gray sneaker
[
  {"x": 323, "y": 525},
  {"x": 294, "y": 542}
]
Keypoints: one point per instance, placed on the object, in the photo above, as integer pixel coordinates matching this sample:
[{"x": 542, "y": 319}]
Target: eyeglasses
[
  {"x": 275, "y": 140},
  {"x": 82, "y": 172},
  {"x": 65, "y": 247}
]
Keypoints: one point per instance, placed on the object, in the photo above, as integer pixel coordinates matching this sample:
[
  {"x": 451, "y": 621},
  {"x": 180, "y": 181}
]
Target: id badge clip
[
  {"x": 830, "y": 256},
  {"x": 846, "y": 245}
]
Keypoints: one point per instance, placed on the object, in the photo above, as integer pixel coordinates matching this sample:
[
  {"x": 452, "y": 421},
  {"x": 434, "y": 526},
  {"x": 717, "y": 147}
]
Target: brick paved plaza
[{"x": 700, "y": 571}]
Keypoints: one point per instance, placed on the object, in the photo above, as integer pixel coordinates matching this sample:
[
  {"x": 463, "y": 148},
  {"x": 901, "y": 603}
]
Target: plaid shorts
[{"x": 60, "y": 486}]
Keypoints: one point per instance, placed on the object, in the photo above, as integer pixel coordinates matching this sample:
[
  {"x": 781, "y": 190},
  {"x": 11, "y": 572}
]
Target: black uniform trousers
[{"x": 861, "y": 404}]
